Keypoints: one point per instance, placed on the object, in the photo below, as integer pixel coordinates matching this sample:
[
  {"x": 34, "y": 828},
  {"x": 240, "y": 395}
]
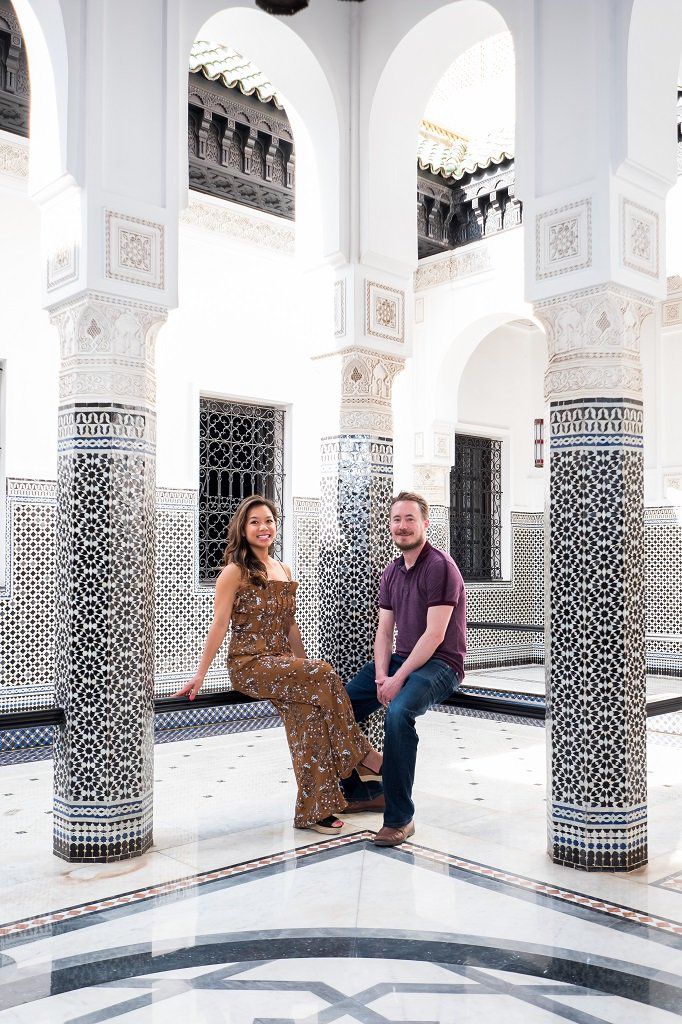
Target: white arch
[
  {"x": 653, "y": 59},
  {"x": 460, "y": 351},
  {"x": 42, "y": 27},
  {"x": 407, "y": 78},
  {"x": 286, "y": 58}
]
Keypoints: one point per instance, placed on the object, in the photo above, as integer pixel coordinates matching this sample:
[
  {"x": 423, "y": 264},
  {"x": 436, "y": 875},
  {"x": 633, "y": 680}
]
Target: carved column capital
[
  {"x": 593, "y": 338},
  {"x": 107, "y": 349},
  {"x": 366, "y": 389}
]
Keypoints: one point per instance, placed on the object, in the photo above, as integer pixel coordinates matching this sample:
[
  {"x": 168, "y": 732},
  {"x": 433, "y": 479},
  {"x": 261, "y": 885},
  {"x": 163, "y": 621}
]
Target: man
[{"x": 422, "y": 593}]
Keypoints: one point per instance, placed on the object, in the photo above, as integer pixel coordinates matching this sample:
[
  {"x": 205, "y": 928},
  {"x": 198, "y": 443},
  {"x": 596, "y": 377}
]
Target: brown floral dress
[{"x": 324, "y": 740}]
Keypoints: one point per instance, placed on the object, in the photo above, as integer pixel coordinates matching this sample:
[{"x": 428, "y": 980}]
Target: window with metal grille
[
  {"x": 241, "y": 452},
  {"x": 476, "y": 507}
]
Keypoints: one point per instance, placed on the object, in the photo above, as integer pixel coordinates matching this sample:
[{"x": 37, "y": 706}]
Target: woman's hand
[{"x": 191, "y": 688}]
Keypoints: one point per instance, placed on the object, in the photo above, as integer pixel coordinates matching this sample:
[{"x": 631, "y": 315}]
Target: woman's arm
[
  {"x": 225, "y": 591},
  {"x": 295, "y": 641}
]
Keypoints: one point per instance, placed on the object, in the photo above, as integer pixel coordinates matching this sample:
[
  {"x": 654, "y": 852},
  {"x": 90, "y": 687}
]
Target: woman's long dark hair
[{"x": 237, "y": 549}]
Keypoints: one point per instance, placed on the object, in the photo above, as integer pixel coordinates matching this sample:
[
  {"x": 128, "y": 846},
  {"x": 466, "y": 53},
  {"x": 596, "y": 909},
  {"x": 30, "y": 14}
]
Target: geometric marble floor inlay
[
  {"x": 236, "y": 917},
  {"x": 248, "y": 943}
]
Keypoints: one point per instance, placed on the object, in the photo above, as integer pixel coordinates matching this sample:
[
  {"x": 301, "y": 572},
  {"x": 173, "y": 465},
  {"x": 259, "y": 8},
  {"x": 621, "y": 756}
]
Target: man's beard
[{"x": 409, "y": 546}]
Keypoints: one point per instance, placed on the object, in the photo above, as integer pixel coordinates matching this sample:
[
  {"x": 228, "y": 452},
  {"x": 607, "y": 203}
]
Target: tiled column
[
  {"x": 357, "y": 486},
  {"x": 596, "y": 700},
  {"x": 105, "y": 535}
]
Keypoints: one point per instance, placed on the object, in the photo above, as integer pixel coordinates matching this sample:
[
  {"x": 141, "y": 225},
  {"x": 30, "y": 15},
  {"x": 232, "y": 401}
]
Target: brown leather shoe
[
  {"x": 394, "y": 836},
  {"x": 377, "y": 804}
]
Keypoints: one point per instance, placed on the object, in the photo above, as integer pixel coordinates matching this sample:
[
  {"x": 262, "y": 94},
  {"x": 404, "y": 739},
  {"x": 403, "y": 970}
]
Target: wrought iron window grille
[
  {"x": 241, "y": 452},
  {"x": 476, "y": 508}
]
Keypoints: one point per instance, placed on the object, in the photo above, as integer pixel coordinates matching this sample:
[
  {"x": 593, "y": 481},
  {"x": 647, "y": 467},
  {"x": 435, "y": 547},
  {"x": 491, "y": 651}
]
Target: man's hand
[
  {"x": 390, "y": 687},
  {"x": 381, "y": 680}
]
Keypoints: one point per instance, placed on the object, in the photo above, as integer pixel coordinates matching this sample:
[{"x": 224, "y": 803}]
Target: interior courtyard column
[
  {"x": 109, "y": 237},
  {"x": 594, "y": 218},
  {"x": 595, "y": 663},
  {"x": 104, "y": 753},
  {"x": 357, "y": 467}
]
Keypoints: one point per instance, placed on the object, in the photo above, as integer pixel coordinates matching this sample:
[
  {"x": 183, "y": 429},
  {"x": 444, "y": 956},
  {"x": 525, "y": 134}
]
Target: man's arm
[
  {"x": 437, "y": 619},
  {"x": 383, "y": 645}
]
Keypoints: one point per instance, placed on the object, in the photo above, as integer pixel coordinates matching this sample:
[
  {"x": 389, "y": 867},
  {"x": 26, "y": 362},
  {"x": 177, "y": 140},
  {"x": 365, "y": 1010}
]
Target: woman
[{"x": 266, "y": 659}]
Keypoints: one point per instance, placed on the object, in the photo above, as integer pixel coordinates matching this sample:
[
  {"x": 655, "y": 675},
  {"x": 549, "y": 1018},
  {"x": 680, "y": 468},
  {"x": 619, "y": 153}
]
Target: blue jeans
[{"x": 423, "y": 688}]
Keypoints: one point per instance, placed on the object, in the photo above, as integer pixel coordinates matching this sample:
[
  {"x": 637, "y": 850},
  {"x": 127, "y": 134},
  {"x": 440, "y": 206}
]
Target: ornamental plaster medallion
[
  {"x": 13, "y": 159},
  {"x": 62, "y": 266},
  {"x": 384, "y": 312},
  {"x": 442, "y": 448},
  {"x": 672, "y": 314},
  {"x": 673, "y": 482},
  {"x": 432, "y": 483},
  {"x": 134, "y": 250},
  {"x": 563, "y": 239},
  {"x": 639, "y": 229}
]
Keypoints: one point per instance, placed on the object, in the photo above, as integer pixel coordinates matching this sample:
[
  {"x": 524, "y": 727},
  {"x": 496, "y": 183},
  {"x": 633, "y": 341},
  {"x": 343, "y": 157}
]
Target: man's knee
[
  {"x": 363, "y": 684},
  {"x": 398, "y": 715}
]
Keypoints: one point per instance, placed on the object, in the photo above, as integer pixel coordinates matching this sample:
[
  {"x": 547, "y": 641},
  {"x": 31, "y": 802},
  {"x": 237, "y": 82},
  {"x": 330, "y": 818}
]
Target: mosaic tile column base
[
  {"x": 355, "y": 545},
  {"x": 595, "y": 607},
  {"x": 105, "y": 580}
]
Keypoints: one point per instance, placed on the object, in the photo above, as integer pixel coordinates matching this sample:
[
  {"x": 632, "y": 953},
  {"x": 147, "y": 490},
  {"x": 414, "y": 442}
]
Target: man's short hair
[{"x": 416, "y": 498}]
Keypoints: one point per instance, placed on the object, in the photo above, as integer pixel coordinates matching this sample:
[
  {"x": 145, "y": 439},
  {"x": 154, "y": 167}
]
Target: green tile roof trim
[
  {"x": 216, "y": 61},
  {"x": 452, "y": 156}
]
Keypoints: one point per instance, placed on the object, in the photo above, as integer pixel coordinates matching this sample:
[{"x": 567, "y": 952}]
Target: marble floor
[{"x": 235, "y": 916}]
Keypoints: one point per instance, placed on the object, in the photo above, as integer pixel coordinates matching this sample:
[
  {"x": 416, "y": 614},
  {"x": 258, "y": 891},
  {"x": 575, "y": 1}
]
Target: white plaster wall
[
  {"x": 457, "y": 316},
  {"x": 502, "y": 389},
  {"x": 28, "y": 346},
  {"x": 241, "y": 330},
  {"x": 673, "y": 218},
  {"x": 670, "y": 392}
]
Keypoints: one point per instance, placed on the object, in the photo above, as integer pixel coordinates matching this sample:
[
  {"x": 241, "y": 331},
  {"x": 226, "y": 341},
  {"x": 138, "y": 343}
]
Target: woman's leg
[{"x": 324, "y": 740}]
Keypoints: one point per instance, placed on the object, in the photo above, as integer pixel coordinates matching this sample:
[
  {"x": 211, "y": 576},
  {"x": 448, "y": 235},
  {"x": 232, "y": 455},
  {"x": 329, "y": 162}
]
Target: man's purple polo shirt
[{"x": 434, "y": 579}]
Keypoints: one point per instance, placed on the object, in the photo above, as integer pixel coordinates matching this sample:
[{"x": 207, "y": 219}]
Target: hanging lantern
[
  {"x": 282, "y": 6},
  {"x": 285, "y": 6}
]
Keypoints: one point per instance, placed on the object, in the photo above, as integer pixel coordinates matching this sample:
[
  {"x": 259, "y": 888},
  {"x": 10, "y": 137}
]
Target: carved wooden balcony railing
[
  {"x": 14, "y": 84},
  {"x": 452, "y": 213},
  {"x": 240, "y": 148}
]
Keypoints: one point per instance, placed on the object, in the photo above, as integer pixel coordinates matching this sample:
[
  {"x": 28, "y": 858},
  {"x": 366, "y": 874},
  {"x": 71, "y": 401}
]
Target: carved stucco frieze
[
  {"x": 593, "y": 338},
  {"x": 452, "y": 268},
  {"x": 107, "y": 349},
  {"x": 573, "y": 381},
  {"x": 238, "y": 223},
  {"x": 366, "y": 421}
]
